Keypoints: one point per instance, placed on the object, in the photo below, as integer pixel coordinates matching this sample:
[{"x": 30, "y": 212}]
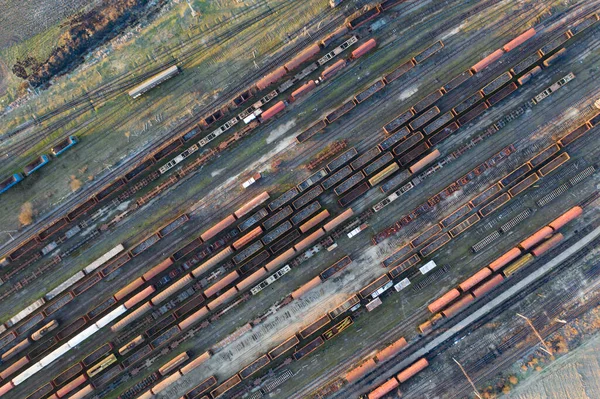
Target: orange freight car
[
  {"x": 548, "y": 244},
  {"x": 384, "y": 389},
  {"x": 156, "y": 270},
  {"x": 516, "y": 42},
  {"x": 475, "y": 279},
  {"x": 140, "y": 296},
  {"x": 443, "y": 301},
  {"x": 251, "y": 279},
  {"x": 505, "y": 259},
  {"x": 314, "y": 221},
  {"x": 195, "y": 363},
  {"x": 271, "y": 112},
  {"x": 359, "y": 372},
  {"x": 566, "y": 217},
  {"x": 536, "y": 238},
  {"x": 217, "y": 228},
  {"x": 296, "y": 294},
  {"x": 222, "y": 299},
  {"x": 412, "y": 370},
  {"x": 364, "y": 48},
  {"x": 488, "y": 286},
  {"x": 195, "y": 317},
  {"x": 391, "y": 350},
  {"x": 206, "y": 266},
  {"x": 458, "y": 306},
  {"x": 280, "y": 260},
  {"x": 487, "y": 61}
]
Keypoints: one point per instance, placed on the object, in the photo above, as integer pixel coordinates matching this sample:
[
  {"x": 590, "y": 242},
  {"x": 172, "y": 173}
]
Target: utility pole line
[
  {"x": 468, "y": 378},
  {"x": 545, "y": 347}
]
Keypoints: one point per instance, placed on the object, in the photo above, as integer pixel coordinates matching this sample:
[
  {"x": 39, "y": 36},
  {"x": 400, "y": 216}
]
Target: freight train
[
  {"x": 395, "y": 381},
  {"x": 154, "y": 239},
  {"x": 588, "y": 125},
  {"x": 369, "y": 91},
  {"x": 249, "y": 114},
  {"x": 39, "y": 162},
  {"x": 491, "y": 276}
]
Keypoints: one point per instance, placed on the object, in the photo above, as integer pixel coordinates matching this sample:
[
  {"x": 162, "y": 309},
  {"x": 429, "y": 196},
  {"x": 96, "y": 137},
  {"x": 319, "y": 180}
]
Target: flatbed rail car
[{"x": 154, "y": 81}]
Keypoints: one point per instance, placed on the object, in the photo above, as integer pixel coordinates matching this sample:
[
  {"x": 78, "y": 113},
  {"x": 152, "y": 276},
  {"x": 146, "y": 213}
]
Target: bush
[{"x": 26, "y": 215}]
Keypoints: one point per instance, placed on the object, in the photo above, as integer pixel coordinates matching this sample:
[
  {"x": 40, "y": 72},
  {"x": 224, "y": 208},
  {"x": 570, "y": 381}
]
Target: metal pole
[
  {"x": 545, "y": 348},
  {"x": 468, "y": 378}
]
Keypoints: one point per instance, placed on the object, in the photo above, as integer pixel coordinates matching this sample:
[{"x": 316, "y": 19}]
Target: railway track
[
  {"x": 441, "y": 348},
  {"x": 152, "y": 147},
  {"x": 553, "y": 307},
  {"x": 141, "y": 72},
  {"x": 388, "y": 336}
]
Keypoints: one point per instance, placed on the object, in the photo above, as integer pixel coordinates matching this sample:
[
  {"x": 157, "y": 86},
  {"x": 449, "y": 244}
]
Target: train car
[
  {"x": 64, "y": 145},
  {"x": 516, "y": 42},
  {"x": 10, "y": 182},
  {"x": 195, "y": 363},
  {"x": 303, "y": 90},
  {"x": 35, "y": 165},
  {"x": 102, "y": 365},
  {"x": 254, "y": 367},
  {"x": 575, "y": 134},
  {"x": 566, "y": 217},
  {"x": 384, "y": 389},
  {"x": 363, "y": 49},
  {"x": 174, "y": 363},
  {"x": 53, "y": 325},
  {"x": 536, "y": 238},
  {"x": 274, "y": 110},
  {"x": 308, "y": 348},
  {"x": 333, "y": 69},
  {"x": 202, "y": 389},
  {"x": 443, "y": 301},
  {"x": 64, "y": 391},
  {"x": 314, "y": 327},
  {"x": 475, "y": 279},
  {"x": 518, "y": 264},
  {"x": 360, "y": 371},
  {"x": 302, "y": 57},
  {"x": 505, "y": 259},
  {"x": 547, "y": 245},
  {"x": 412, "y": 370},
  {"x": 154, "y": 81},
  {"x": 363, "y": 18},
  {"x": 13, "y": 368},
  {"x": 487, "y": 286},
  {"x": 131, "y": 345},
  {"x": 487, "y": 61},
  {"x": 226, "y": 386},
  {"x": 458, "y": 306},
  {"x": 271, "y": 78}
]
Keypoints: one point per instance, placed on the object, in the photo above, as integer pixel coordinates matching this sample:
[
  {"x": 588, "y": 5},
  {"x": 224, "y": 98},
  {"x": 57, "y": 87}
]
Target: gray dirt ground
[
  {"x": 574, "y": 376},
  {"x": 20, "y": 20}
]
